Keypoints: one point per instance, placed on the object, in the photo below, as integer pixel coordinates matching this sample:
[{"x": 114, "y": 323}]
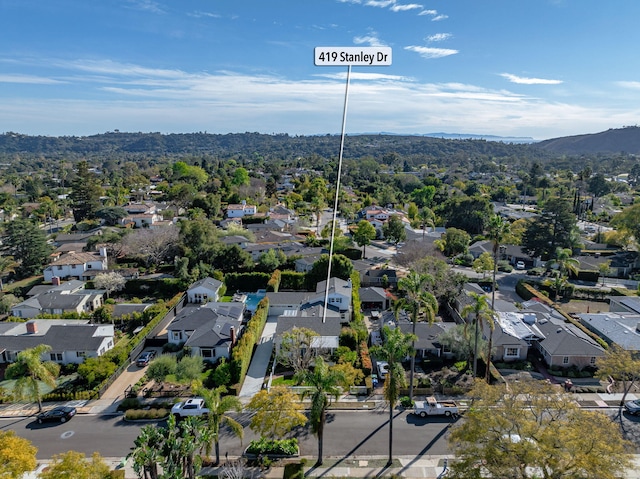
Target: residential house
[
  {"x": 428, "y": 334},
  {"x": 624, "y": 304},
  {"x": 374, "y": 298},
  {"x": 622, "y": 329},
  {"x": 240, "y": 210},
  {"x": 565, "y": 345},
  {"x": 71, "y": 341},
  {"x": 509, "y": 253},
  {"x": 204, "y": 290},
  {"x": 74, "y": 264},
  {"x": 328, "y": 332},
  {"x": 209, "y": 330},
  {"x": 59, "y": 300}
]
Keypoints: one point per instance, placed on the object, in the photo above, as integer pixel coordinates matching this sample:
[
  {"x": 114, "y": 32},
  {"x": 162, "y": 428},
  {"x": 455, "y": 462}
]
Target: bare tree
[
  {"x": 298, "y": 349},
  {"x": 151, "y": 245},
  {"x": 110, "y": 282}
]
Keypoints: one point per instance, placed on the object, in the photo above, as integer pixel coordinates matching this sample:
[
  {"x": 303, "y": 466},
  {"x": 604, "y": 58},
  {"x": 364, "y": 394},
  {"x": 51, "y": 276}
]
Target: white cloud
[
  {"x": 406, "y": 7},
  {"x": 439, "y": 37},
  {"x": 529, "y": 81},
  {"x": 371, "y": 40},
  {"x": 198, "y": 14},
  {"x": 379, "y": 3},
  {"x": 28, "y": 79},
  {"x": 428, "y": 12},
  {"x": 365, "y": 76},
  {"x": 437, "y": 18},
  {"x": 632, "y": 85},
  {"x": 428, "y": 52},
  {"x": 146, "y": 5}
]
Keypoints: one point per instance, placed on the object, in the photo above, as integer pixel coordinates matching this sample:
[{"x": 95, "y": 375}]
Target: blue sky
[{"x": 532, "y": 68}]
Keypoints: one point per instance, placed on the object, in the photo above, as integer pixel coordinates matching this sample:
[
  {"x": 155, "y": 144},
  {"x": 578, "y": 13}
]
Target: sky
[{"x": 512, "y": 68}]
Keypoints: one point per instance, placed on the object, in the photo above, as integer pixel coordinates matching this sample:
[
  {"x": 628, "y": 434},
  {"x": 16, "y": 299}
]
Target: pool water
[{"x": 253, "y": 299}]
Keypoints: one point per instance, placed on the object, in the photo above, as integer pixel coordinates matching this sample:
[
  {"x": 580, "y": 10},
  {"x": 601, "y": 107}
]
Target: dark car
[
  {"x": 633, "y": 407},
  {"x": 145, "y": 358},
  {"x": 57, "y": 414}
]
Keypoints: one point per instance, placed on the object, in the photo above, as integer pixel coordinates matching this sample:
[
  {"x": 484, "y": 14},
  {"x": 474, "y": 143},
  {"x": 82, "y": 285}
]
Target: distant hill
[
  {"x": 619, "y": 140},
  {"x": 471, "y": 136}
]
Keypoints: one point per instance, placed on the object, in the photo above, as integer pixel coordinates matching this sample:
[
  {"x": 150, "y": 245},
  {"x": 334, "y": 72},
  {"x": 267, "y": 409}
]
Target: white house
[
  {"x": 204, "y": 290},
  {"x": 241, "y": 210},
  {"x": 71, "y": 341},
  {"x": 74, "y": 264}
]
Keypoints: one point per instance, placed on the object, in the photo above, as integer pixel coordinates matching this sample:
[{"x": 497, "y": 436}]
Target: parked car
[
  {"x": 633, "y": 407},
  {"x": 145, "y": 358},
  {"x": 57, "y": 414},
  {"x": 433, "y": 407},
  {"x": 520, "y": 265},
  {"x": 190, "y": 407},
  {"x": 383, "y": 369}
]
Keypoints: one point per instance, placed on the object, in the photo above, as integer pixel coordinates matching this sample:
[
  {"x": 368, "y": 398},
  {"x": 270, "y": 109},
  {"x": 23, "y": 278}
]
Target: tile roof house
[
  {"x": 210, "y": 330},
  {"x": 71, "y": 341},
  {"x": 74, "y": 264}
]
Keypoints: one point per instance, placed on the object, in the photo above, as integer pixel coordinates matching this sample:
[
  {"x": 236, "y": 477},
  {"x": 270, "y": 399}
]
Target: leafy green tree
[
  {"x": 189, "y": 368},
  {"x": 482, "y": 314},
  {"x": 85, "y": 193},
  {"x": 423, "y": 197},
  {"x": 468, "y": 213},
  {"x": 76, "y": 465},
  {"x": 232, "y": 259},
  {"x": 619, "y": 364},
  {"x": 628, "y": 220},
  {"x": 395, "y": 348},
  {"x": 272, "y": 259},
  {"x": 111, "y": 214},
  {"x": 199, "y": 239},
  {"x": 219, "y": 406},
  {"x": 427, "y": 218},
  {"x": 7, "y": 265},
  {"x": 325, "y": 383},
  {"x": 190, "y": 174},
  {"x": 341, "y": 267},
  {"x": 552, "y": 229},
  {"x": 29, "y": 370},
  {"x": 394, "y": 231},
  {"x": 363, "y": 235},
  {"x": 276, "y": 412},
  {"x": 181, "y": 195},
  {"x": 454, "y": 242},
  {"x": 162, "y": 367},
  {"x": 529, "y": 429},
  {"x": 17, "y": 455},
  {"x": 240, "y": 177},
  {"x": 416, "y": 300},
  {"x": 483, "y": 263},
  {"x": 28, "y": 243},
  {"x": 95, "y": 370}
]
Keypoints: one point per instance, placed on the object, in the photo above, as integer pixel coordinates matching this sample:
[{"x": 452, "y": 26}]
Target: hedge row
[
  {"x": 246, "y": 282},
  {"x": 292, "y": 281},
  {"x": 365, "y": 359},
  {"x": 274, "y": 281},
  {"x": 243, "y": 350}
]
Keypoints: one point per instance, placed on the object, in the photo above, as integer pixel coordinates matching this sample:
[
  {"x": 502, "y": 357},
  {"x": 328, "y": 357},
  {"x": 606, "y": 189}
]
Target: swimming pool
[{"x": 253, "y": 299}]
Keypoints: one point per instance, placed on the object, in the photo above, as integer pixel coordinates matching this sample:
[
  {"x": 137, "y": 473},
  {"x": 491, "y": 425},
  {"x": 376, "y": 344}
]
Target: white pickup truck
[
  {"x": 431, "y": 407},
  {"x": 190, "y": 407}
]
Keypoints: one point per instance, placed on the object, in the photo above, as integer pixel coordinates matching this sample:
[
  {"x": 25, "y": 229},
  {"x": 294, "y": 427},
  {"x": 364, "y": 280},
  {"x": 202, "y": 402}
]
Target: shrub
[
  {"x": 461, "y": 366},
  {"x": 146, "y": 414},
  {"x": 189, "y": 368},
  {"x": 129, "y": 403},
  {"x": 294, "y": 471},
  {"x": 406, "y": 402},
  {"x": 162, "y": 367},
  {"x": 285, "y": 447}
]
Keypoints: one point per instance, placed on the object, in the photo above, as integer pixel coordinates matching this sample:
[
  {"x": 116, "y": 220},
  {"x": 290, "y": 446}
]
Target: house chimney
[
  {"x": 103, "y": 251},
  {"x": 55, "y": 280},
  {"x": 32, "y": 327},
  {"x": 232, "y": 335}
]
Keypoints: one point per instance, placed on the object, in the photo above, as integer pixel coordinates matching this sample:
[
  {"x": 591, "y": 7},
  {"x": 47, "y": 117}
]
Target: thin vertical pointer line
[{"x": 335, "y": 202}]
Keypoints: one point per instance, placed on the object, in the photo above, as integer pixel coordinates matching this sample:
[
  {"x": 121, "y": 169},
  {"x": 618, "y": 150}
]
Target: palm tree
[
  {"x": 7, "y": 265},
  {"x": 566, "y": 265},
  {"x": 146, "y": 452},
  {"x": 29, "y": 369},
  {"x": 497, "y": 231},
  {"x": 415, "y": 301},
  {"x": 481, "y": 314},
  {"x": 395, "y": 348},
  {"x": 219, "y": 406},
  {"x": 428, "y": 218},
  {"x": 325, "y": 385}
]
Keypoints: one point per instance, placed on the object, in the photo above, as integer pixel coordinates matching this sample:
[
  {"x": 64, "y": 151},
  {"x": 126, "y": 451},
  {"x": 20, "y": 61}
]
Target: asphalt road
[{"x": 347, "y": 433}]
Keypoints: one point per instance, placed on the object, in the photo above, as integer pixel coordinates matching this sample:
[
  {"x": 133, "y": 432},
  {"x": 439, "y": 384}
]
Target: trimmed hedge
[
  {"x": 280, "y": 447},
  {"x": 243, "y": 350},
  {"x": 292, "y": 281},
  {"x": 274, "y": 281},
  {"x": 246, "y": 281}
]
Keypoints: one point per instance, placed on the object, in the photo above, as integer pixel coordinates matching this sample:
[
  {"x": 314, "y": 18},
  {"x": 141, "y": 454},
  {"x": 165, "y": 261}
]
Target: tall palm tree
[
  {"x": 29, "y": 369},
  {"x": 497, "y": 232},
  {"x": 8, "y": 264},
  {"x": 219, "y": 405},
  {"x": 416, "y": 301},
  {"x": 428, "y": 218},
  {"x": 566, "y": 265},
  {"x": 395, "y": 348},
  {"x": 325, "y": 385},
  {"x": 481, "y": 315}
]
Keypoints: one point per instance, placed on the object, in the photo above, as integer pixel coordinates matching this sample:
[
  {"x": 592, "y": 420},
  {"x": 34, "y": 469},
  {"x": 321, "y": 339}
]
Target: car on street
[
  {"x": 190, "y": 407},
  {"x": 633, "y": 407},
  {"x": 145, "y": 358},
  {"x": 57, "y": 414},
  {"x": 383, "y": 369}
]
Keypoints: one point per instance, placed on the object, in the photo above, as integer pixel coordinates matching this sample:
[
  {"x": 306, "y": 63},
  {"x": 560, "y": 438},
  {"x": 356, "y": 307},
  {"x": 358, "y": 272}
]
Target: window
[
  {"x": 512, "y": 352},
  {"x": 81, "y": 354},
  {"x": 565, "y": 360},
  {"x": 59, "y": 267},
  {"x": 89, "y": 266},
  {"x": 592, "y": 360},
  {"x": 176, "y": 335},
  {"x": 208, "y": 353},
  {"x": 56, "y": 356}
]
